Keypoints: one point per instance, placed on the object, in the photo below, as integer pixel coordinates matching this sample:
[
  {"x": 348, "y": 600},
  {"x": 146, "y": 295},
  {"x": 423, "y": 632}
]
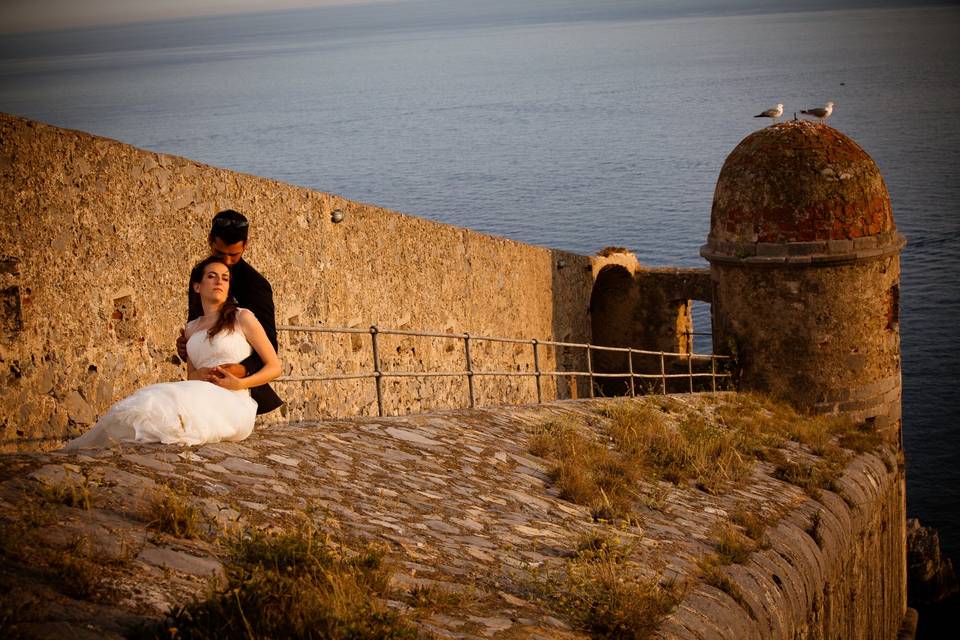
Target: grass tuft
[
  {"x": 753, "y": 524},
  {"x": 433, "y": 598},
  {"x": 175, "y": 514},
  {"x": 810, "y": 477},
  {"x": 712, "y": 573},
  {"x": 711, "y": 448},
  {"x": 732, "y": 546},
  {"x": 586, "y": 471},
  {"x": 69, "y": 493},
  {"x": 815, "y": 528},
  {"x": 291, "y": 585},
  {"x": 77, "y": 575},
  {"x": 601, "y": 595}
]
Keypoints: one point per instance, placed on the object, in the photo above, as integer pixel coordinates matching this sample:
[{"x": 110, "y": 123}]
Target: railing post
[
  {"x": 690, "y": 369},
  {"x": 713, "y": 372},
  {"x": 663, "y": 372},
  {"x": 378, "y": 379},
  {"x": 633, "y": 392},
  {"x": 466, "y": 350},
  {"x": 590, "y": 370},
  {"x": 536, "y": 368}
]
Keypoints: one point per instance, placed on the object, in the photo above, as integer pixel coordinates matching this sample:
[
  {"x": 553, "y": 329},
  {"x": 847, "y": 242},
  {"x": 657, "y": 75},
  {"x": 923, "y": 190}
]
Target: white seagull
[
  {"x": 774, "y": 113},
  {"x": 822, "y": 113}
]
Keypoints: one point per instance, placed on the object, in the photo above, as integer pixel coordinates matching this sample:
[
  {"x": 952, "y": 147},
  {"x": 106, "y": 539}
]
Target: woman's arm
[
  {"x": 254, "y": 333},
  {"x": 186, "y": 332}
]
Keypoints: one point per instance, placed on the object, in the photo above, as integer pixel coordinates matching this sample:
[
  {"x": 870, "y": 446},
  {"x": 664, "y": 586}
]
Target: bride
[{"x": 195, "y": 411}]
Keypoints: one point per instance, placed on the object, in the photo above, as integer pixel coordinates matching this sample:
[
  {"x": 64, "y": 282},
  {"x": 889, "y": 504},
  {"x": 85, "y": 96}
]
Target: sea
[{"x": 565, "y": 123}]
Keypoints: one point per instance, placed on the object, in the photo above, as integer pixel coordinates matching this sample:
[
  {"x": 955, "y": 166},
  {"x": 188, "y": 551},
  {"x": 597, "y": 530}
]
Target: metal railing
[{"x": 378, "y": 374}]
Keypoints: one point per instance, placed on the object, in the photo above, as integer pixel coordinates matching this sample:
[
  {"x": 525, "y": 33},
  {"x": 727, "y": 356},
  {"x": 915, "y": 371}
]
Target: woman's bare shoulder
[{"x": 246, "y": 318}]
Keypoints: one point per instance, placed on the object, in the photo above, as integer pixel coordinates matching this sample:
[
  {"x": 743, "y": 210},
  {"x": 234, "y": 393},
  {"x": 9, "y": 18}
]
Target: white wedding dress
[{"x": 187, "y": 412}]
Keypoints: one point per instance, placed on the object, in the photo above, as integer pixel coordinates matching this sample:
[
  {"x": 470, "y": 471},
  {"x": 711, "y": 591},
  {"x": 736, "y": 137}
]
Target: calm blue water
[{"x": 571, "y": 125}]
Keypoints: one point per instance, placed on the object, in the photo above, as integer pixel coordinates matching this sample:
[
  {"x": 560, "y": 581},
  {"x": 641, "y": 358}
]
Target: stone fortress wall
[{"x": 97, "y": 239}]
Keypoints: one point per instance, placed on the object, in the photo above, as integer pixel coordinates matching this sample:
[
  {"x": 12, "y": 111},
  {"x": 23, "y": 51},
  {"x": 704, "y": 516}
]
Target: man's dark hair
[{"x": 230, "y": 226}]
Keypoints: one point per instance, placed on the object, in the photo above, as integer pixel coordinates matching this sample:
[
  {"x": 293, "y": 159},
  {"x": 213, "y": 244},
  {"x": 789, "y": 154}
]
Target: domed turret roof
[{"x": 798, "y": 182}]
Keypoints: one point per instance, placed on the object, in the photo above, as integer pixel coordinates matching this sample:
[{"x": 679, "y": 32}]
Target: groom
[{"x": 228, "y": 240}]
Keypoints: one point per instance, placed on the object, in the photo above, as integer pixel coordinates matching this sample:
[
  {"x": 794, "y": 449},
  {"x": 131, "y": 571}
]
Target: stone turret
[{"x": 804, "y": 260}]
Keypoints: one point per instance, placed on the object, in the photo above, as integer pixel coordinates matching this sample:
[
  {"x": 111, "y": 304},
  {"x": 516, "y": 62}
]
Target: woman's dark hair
[
  {"x": 228, "y": 312},
  {"x": 230, "y": 226}
]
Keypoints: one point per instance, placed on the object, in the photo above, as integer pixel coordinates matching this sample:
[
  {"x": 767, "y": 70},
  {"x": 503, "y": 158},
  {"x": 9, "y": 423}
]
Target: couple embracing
[{"x": 230, "y": 346}]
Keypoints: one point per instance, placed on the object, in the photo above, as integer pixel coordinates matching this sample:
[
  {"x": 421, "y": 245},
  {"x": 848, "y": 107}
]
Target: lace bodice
[{"x": 226, "y": 346}]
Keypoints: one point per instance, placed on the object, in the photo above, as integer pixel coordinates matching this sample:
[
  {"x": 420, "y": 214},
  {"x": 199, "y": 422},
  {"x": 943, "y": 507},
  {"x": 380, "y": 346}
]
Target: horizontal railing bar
[
  {"x": 626, "y": 374},
  {"x": 641, "y": 352},
  {"x": 554, "y": 343},
  {"x": 564, "y": 373},
  {"x": 430, "y": 374},
  {"x": 657, "y": 375},
  {"x": 297, "y": 328},
  {"x": 334, "y": 376},
  {"x": 497, "y": 339},
  {"x": 505, "y": 373},
  {"x": 597, "y": 347},
  {"x": 420, "y": 334},
  {"x": 421, "y": 374},
  {"x": 460, "y": 336}
]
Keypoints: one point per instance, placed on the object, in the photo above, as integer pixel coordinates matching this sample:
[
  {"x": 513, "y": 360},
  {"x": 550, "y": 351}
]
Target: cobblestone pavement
[{"x": 456, "y": 496}]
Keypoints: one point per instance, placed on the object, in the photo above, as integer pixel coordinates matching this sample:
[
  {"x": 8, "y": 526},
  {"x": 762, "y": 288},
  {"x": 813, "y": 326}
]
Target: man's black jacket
[{"x": 251, "y": 291}]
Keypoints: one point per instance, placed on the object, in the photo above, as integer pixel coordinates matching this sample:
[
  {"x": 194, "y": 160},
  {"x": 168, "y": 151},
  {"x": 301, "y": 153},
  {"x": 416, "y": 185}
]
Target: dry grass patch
[
  {"x": 292, "y": 585},
  {"x": 77, "y": 575},
  {"x": 175, "y": 514},
  {"x": 752, "y": 523},
  {"x": 732, "y": 546},
  {"x": 433, "y": 598},
  {"x": 812, "y": 477},
  {"x": 69, "y": 493},
  {"x": 771, "y": 422},
  {"x": 815, "y": 528},
  {"x": 587, "y": 471},
  {"x": 602, "y": 594},
  {"x": 713, "y": 573},
  {"x": 711, "y": 445}
]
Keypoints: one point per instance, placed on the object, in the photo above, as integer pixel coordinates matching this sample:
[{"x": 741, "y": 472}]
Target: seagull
[
  {"x": 822, "y": 113},
  {"x": 774, "y": 113}
]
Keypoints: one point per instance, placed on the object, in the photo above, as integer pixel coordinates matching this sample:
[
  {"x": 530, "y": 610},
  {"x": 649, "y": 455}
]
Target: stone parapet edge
[
  {"x": 829, "y": 252},
  {"x": 806, "y": 568}
]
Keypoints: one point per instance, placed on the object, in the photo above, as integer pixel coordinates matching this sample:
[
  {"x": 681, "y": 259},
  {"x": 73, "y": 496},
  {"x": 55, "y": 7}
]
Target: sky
[{"x": 34, "y": 15}]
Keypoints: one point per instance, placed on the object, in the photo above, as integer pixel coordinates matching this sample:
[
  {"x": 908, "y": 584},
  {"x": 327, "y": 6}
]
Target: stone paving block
[{"x": 179, "y": 561}]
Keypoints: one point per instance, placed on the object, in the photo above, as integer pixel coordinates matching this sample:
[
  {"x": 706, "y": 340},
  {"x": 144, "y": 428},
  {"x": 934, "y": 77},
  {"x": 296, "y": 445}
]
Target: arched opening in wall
[{"x": 612, "y": 305}]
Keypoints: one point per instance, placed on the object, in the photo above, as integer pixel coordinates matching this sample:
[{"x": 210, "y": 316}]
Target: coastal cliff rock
[{"x": 931, "y": 577}]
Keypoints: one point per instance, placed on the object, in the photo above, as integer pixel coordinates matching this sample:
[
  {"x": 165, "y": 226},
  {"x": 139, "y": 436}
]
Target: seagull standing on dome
[
  {"x": 821, "y": 113},
  {"x": 773, "y": 113}
]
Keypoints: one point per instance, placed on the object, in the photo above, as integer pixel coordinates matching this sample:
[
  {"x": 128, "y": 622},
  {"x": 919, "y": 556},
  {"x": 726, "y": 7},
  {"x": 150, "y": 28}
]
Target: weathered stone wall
[
  {"x": 843, "y": 577},
  {"x": 97, "y": 239},
  {"x": 825, "y": 338}
]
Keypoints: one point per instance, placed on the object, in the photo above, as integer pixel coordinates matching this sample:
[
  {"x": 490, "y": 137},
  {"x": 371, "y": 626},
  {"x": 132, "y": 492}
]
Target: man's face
[{"x": 231, "y": 253}]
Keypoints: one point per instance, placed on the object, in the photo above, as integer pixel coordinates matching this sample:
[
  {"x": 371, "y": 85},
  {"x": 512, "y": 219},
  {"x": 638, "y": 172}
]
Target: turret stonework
[{"x": 804, "y": 259}]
